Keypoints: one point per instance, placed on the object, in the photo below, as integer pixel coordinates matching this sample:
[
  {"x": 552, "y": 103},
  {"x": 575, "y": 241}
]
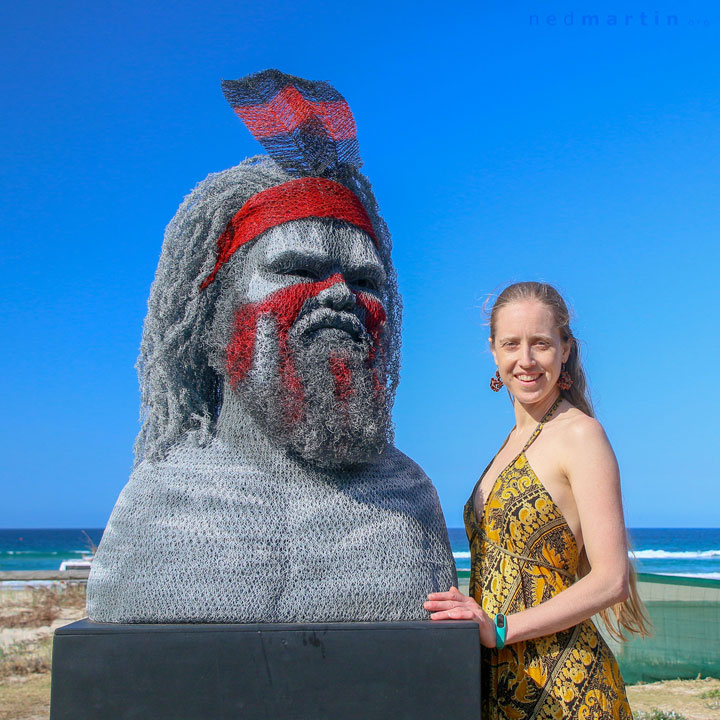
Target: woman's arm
[{"x": 590, "y": 465}]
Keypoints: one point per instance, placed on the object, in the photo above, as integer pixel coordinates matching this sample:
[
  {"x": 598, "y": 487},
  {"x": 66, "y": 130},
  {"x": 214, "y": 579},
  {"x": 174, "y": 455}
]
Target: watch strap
[{"x": 500, "y": 630}]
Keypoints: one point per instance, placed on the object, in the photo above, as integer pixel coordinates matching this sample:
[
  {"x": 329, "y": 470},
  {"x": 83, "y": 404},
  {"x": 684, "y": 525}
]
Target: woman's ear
[
  {"x": 568, "y": 348},
  {"x": 492, "y": 349}
]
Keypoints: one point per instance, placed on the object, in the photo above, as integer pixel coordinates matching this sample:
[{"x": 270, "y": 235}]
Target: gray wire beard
[{"x": 334, "y": 427}]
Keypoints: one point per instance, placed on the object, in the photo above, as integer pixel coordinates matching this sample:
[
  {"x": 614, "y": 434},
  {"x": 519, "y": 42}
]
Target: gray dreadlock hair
[{"x": 181, "y": 390}]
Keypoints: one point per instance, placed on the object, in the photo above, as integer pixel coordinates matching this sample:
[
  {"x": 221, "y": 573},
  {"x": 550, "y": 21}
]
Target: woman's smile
[{"x": 528, "y": 379}]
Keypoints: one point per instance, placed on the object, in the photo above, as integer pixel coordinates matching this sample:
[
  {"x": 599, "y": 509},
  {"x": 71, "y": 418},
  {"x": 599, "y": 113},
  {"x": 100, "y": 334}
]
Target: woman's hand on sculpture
[{"x": 453, "y": 605}]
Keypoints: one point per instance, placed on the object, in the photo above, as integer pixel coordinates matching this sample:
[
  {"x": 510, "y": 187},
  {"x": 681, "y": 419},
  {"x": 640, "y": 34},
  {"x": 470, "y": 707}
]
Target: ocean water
[
  {"x": 691, "y": 552},
  {"x": 44, "y": 549}
]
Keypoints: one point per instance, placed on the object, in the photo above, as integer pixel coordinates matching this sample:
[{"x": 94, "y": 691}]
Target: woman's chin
[{"x": 532, "y": 393}]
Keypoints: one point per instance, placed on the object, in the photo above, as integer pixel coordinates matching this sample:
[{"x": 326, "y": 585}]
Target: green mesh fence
[
  {"x": 685, "y": 642},
  {"x": 686, "y": 637}
]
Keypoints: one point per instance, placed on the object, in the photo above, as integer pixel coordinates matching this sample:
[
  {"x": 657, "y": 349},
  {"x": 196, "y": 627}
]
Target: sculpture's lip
[{"x": 326, "y": 319}]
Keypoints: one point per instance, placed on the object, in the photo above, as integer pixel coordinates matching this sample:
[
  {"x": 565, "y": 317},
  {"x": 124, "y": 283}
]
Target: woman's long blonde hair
[{"x": 629, "y": 616}]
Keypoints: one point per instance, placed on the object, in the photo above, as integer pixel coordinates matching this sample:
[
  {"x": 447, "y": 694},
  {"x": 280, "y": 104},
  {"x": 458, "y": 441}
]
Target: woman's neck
[{"x": 528, "y": 416}]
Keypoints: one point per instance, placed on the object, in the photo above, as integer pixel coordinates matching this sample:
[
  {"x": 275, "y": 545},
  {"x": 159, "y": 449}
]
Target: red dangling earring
[
  {"x": 496, "y": 382},
  {"x": 565, "y": 382}
]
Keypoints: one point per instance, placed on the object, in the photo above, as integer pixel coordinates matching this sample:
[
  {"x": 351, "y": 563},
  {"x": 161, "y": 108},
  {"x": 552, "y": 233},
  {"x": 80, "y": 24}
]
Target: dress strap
[{"x": 545, "y": 418}]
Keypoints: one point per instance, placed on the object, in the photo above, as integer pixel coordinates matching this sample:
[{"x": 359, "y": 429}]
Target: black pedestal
[{"x": 337, "y": 671}]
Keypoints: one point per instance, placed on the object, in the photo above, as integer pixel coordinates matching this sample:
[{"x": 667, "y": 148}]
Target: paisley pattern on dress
[{"x": 523, "y": 553}]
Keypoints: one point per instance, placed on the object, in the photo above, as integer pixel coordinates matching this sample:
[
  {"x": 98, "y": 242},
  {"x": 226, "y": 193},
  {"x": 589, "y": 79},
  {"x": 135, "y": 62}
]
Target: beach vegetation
[
  {"x": 27, "y": 616},
  {"x": 656, "y": 714},
  {"x": 26, "y": 658},
  {"x": 40, "y": 606},
  {"x": 713, "y": 696}
]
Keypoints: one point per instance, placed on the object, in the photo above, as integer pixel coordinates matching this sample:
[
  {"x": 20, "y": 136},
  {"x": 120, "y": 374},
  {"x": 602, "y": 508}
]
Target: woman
[{"x": 546, "y": 510}]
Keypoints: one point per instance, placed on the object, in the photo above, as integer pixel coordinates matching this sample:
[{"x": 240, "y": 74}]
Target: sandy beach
[{"x": 28, "y": 618}]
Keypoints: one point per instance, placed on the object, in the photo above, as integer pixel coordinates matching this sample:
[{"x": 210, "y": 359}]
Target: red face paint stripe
[
  {"x": 375, "y": 318},
  {"x": 293, "y": 200},
  {"x": 343, "y": 378}
]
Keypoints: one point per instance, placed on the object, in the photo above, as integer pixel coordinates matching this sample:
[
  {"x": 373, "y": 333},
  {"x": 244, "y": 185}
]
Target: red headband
[{"x": 293, "y": 200}]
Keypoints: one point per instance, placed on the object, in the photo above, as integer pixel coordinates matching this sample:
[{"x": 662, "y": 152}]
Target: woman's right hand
[{"x": 453, "y": 605}]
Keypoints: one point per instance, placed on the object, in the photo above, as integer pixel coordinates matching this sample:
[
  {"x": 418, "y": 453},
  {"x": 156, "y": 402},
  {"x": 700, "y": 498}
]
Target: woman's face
[{"x": 528, "y": 351}]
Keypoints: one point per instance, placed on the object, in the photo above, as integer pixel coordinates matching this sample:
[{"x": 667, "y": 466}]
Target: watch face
[{"x": 500, "y": 621}]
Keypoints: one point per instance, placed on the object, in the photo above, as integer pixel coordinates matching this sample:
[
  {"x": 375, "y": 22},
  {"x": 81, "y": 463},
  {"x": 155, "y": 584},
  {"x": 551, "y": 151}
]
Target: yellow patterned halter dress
[{"x": 522, "y": 553}]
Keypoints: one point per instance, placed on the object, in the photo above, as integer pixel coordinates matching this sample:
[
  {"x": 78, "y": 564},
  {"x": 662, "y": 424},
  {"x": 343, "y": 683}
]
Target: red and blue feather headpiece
[{"x": 308, "y": 129}]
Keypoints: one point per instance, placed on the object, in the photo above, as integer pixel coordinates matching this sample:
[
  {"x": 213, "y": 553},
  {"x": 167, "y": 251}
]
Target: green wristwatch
[{"x": 500, "y": 630}]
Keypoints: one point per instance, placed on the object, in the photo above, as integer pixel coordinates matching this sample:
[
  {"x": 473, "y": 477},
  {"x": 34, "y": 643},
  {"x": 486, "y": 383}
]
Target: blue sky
[{"x": 501, "y": 147}]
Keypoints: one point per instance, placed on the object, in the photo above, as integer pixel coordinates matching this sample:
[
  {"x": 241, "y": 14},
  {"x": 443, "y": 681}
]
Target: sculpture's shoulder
[
  {"x": 395, "y": 473},
  {"x": 397, "y": 462},
  {"x": 205, "y": 486},
  {"x": 196, "y": 519},
  {"x": 188, "y": 466},
  {"x": 394, "y": 458}
]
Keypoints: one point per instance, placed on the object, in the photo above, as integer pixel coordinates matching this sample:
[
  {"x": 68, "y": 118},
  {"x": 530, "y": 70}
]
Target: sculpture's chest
[{"x": 240, "y": 544}]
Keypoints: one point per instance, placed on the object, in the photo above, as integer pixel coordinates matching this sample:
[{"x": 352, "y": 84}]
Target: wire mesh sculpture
[{"x": 266, "y": 486}]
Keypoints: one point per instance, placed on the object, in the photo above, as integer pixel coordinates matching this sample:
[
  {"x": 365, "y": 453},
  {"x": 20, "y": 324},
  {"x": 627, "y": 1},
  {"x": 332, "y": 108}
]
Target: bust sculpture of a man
[{"x": 266, "y": 486}]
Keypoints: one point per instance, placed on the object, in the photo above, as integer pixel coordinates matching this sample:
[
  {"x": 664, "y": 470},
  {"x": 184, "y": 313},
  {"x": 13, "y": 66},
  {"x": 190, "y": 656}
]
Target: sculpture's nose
[{"x": 338, "y": 296}]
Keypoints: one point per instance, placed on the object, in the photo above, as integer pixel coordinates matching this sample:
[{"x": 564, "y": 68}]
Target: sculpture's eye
[
  {"x": 367, "y": 283},
  {"x": 303, "y": 272},
  {"x": 368, "y": 277}
]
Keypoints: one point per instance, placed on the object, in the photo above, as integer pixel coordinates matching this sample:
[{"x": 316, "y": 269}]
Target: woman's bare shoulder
[
  {"x": 583, "y": 447},
  {"x": 572, "y": 420},
  {"x": 581, "y": 431}
]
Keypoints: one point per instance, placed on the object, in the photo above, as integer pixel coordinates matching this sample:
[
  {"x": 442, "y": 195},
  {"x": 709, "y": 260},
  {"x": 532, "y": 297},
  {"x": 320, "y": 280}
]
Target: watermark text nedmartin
[{"x": 650, "y": 19}]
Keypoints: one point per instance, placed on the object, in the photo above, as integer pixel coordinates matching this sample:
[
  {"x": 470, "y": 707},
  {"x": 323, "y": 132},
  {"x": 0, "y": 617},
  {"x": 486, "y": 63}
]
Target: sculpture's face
[
  {"x": 302, "y": 252},
  {"x": 305, "y": 350}
]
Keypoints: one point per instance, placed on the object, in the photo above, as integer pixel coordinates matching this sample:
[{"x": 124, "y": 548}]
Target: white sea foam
[
  {"x": 705, "y": 576},
  {"x": 675, "y": 554},
  {"x": 649, "y": 555}
]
